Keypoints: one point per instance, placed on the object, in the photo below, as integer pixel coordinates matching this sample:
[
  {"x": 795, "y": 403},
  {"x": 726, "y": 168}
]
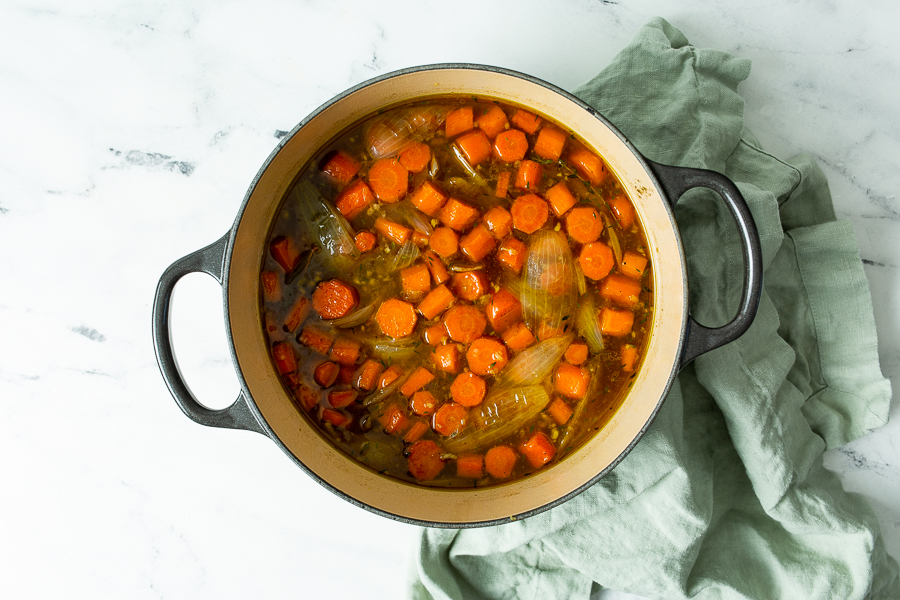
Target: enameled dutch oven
[{"x": 265, "y": 406}]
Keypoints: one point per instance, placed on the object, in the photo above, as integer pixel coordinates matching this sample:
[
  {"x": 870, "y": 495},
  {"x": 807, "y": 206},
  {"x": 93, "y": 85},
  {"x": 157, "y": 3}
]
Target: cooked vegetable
[
  {"x": 394, "y": 131},
  {"x": 499, "y": 415},
  {"x": 548, "y": 289}
]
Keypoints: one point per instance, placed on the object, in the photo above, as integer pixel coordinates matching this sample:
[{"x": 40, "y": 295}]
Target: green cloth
[{"x": 726, "y": 496}]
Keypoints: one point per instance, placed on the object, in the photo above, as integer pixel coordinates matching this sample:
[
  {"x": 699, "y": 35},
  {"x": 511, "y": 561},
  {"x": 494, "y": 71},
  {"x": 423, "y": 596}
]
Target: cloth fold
[{"x": 726, "y": 496}]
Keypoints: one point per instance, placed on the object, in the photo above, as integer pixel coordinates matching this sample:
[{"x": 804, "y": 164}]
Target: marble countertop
[{"x": 130, "y": 133}]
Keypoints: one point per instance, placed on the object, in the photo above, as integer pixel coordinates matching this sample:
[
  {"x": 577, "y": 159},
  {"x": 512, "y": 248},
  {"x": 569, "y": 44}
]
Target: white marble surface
[{"x": 129, "y": 133}]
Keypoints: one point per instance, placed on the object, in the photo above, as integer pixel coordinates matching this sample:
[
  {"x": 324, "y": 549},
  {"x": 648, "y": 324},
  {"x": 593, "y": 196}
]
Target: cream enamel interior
[{"x": 346, "y": 475}]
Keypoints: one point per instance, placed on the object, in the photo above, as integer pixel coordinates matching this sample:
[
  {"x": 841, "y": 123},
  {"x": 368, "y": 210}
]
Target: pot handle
[
  {"x": 675, "y": 182},
  {"x": 210, "y": 260}
]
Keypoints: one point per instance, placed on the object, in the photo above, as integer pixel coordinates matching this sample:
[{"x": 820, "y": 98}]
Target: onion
[
  {"x": 588, "y": 325},
  {"x": 393, "y": 131},
  {"x": 534, "y": 364},
  {"x": 323, "y": 221},
  {"x": 406, "y": 256},
  {"x": 500, "y": 414},
  {"x": 548, "y": 292},
  {"x": 357, "y": 317}
]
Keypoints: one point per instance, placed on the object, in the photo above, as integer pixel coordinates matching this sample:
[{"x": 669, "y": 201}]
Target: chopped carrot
[
  {"x": 560, "y": 411},
  {"x": 492, "y": 121},
  {"x": 529, "y": 213},
  {"x": 633, "y": 264},
  {"x": 285, "y": 358},
  {"x": 367, "y": 375},
  {"x": 486, "y": 356},
  {"x": 561, "y": 199},
  {"x": 419, "y": 239},
  {"x": 396, "y": 318},
  {"x": 298, "y": 314},
  {"x": 616, "y": 323},
  {"x": 547, "y": 331},
  {"x": 510, "y": 145},
  {"x": 528, "y": 177},
  {"x": 498, "y": 221},
  {"x": 571, "y": 381},
  {"x": 393, "y": 419},
  {"x": 621, "y": 290},
  {"x": 503, "y": 310},
  {"x": 422, "y": 403},
  {"x": 365, "y": 241},
  {"x": 500, "y": 461},
  {"x": 354, "y": 199},
  {"x": 315, "y": 339},
  {"x": 428, "y": 198},
  {"x": 438, "y": 271},
  {"x": 436, "y": 302},
  {"x": 416, "y": 431},
  {"x": 584, "y": 224},
  {"x": 449, "y": 418},
  {"x": 512, "y": 253},
  {"x": 336, "y": 417},
  {"x": 391, "y": 230},
  {"x": 271, "y": 286},
  {"x": 306, "y": 396},
  {"x": 464, "y": 323},
  {"x": 475, "y": 146},
  {"x": 444, "y": 241},
  {"x": 469, "y": 286},
  {"x": 502, "y": 184},
  {"x": 596, "y": 260},
  {"x": 526, "y": 121},
  {"x": 538, "y": 449},
  {"x": 390, "y": 375},
  {"x": 341, "y": 398},
  {"x": 518, "y": 337},
  {"x": 623, "y": 210},
  {"x": 589, "y": 165},
  {"x": 468, "y": 389},
  {"x": 344, "y": 351},
  {"x": 416, "y": 157},
  {"x": 576, "y": 353},
  {"x": 446, "y": 358},
  {"x": 459, "y": 121},
  {"x": 457, "y": 214},
  {"x": 333, "y": 299},
  {"x": 416, "y": 381},
  {"x": 424, "y": 460},
  {"x": 549, "y": 143},
  {"x": 415, "y": 280},
  {"x": 629, "y": 357},
  {"x": 284, "y": 252},
  {"x": 345, "y": 374},
  {"x": 341, "y": 166},
  {"x": 470, "y": 466},
  {"x": 388, "y": 179},
  {"x": 435, "y": 335},
  {"x": 478, "y": 243}
]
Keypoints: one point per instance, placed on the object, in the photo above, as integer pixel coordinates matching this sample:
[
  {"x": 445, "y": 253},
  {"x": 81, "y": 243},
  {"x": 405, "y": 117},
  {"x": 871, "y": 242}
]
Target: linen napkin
[{"x": 726, "y": 496}]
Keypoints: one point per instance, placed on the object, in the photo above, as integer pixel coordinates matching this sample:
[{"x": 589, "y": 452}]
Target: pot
[{"x": 264, "y": 406}]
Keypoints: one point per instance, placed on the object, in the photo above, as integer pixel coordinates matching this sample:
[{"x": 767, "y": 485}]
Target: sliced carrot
[
  {"x": 436, "y": 302},
  {"x": 416, "y": 157},
  {"x": 571, "y": 381},
  {"x": 486, "y": 356},
  {"x": 529, "y": 213},
  {"x": 589, "y": 165},
  {"x": 616, "y": 323},
  {"x": 341, "y": 166},
  {"x": 396, "y": 318},
  {"x": 341, "y": 398},
  {"x": 546, "y": 331},
  {"x": 526, "y": 121},
  {"x": 510, "y": 145},
  {"x": 388, "y": 179},
  {"x": 629, "y": 357},
  {"x": 498, "y": 221},
  {"x": 415, "y": 280},
  {"x": 285, "y": 357},
  {"x": 422, "y": 403},
  {"x": 500, "y": 461},
  {"x": 502, "y": 184},
  {"x": 469, "y": 286},
  {"x": 390, "y": 375},
  {"x": 416, "y": 431},
  {"x": 478, "y": 243},
  {"x": 284, "y": 252},
  {"x": 354, "y": 199},
  {"x": 419, "y": 239},
  {"x": 346, "y": 374},
  {"x": 512, "y": 254},
  {"x": 424, "y": 460},
  {"x": 464, "y": 323},
  {"x": 446, "y": 358},
  {"x": 315, "y": 339},
  {"x": 538, "y": 449},
  {"x": 475, "y": 146},
  {"x": 367, "y": 375},
  {"x": 391, "y": 230},
  {"x": 298, "y": 314},
  {"x": 470, "y": 466},
  {"x": 576, "y": 353},
  {"x": 560, "y": 411},
  {"x": 271, "y": 284},
  {"x": 623, "y": 210},
  {"x": 621, "y": 290},
  {"x": 428, "y": 198},
  {"x": 458, "y": 215},
  {"x": 633, "y": 264},
  {"x": 444, "y": 241},
  {"x": 449, "y": 418},
  {"x": 439, "y": 272},
  {"x": 518, "y": 337},
  {"x": 344, "y": 351},
  {"x": 459, "y": 121},
  {"x": 416, "y": 381},
  {"x": 492, "y": 121},
  {"x": 549, "y": 143},
  {"x": 584, "y": 224},
  {"x": 333, "y": 299},
  {"x": 468, "y": 389},
  {"x": 596, "y": 260},
  {"x": 503, "y": 310},
  {"x": 393, "y": 419},
  {"x": 560, "y": 198},
  {"x": 306, "y": 396},
  {"x": 528, "y": 176},
  {"x": 365, "y": 241},
  {"x": 435, "y": 335},
  {"x": 336, "y": 417}
]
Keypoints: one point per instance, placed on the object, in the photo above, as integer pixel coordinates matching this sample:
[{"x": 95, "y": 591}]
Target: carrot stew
[{"x": 456, "y": 292}]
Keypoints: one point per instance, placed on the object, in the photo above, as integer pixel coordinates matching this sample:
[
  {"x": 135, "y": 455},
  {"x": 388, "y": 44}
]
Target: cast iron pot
[{"x": 265, "y": 406}]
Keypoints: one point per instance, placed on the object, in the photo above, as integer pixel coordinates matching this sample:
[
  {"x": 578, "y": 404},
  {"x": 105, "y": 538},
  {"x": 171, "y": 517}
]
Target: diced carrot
[
  {"x": 560, "y": 411},
  {"x": 561, "y": 199},
  {"x": 285, "y": 358},
  {"x": 584, "y": 224},
  {"x": 518, "y": 337},
  {"x": 354, "y": 199},
  {"x": 444, "y": 241},
  {"x": 498, "y": 221},
  {"x": 341, "y": 398},
  {"x": 424, "y": 460},
  {"x": 393, "y": 419},
  {"x": 459, "y": 121},
  {"x": 365, "y": 241},
  {"x": 512, "y": 253},
  {"x": 346, "y": 374},
  {"x": 549, "y": 143},
  {"x": 633, "y": 265},
  {"x": 526, "y": 121},
  {"x": 419, "y": 239},
  {"x": 629, "y": 357},
  {"x": 284, "y": 252},
  {"x": 428, "y": 198},
  {"x": 469, "y": 286},
  {"x": 367, "y": 375},
  {"x": 475, "y": 147},
  {"x": 464, "y": 323},
  {"x": 315, "y": 339},
  {"x": 538, "y": 449},
  {"x": 396, "y": 318},
  {"x": 492, "y": 121},
  {"x": 470, "y": 466},
  {"x": 306, "y": 396},
  {"x": 503, "y": 310},
  {"x": 435, "y": 335},
  {"x": 341, "y": 166},
  {"x": 468, "y": 389},
  {"x": 344, "y": 351},
  {"x": 623, "y": 210},
  {"x": 333, "y": 299},
  {"x": 510, "y": 145},
  {"x": 478, "y": 243},
  {"x": 589, "y": 165},
  {"x": 446, "y": 358},
  {"x": 390, "y": 375},
  {"x": 388, "y": 179},
  {"x": 416, "y": 431},
  {"x": 616, "y": 323},
  {"x": 596, "y": 260},
  {"x": 529, "y": 213},
  {"x": 439, "y": 273},
  {"x": 326, "y": 373},
  {"x": 500, "y": 461},
  {"x": 298, "y": 314},
  {"x": 336, "y": 417},
  {"x": 416, "y": 157},
  {"x": 621, "y": 290},
  {"x": 486, "y": 356},
  {"x": 271, "y": 285},
  {"x": 449, "y": 418},
  {"x": 502, "y": 184},
  {"x": 457, "y": 214},
  {"x": 422, "y": 403},
  {"x": 436, "y": 302},
  {"x": 416, "y": 381},
  {"x": 576, "y": 353},
  {"x": 528, "y": 176},
  {"x": 415, "y": 280},
  {"x": 391, "y": 230},
  {"x": 571, "y": 381}
]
